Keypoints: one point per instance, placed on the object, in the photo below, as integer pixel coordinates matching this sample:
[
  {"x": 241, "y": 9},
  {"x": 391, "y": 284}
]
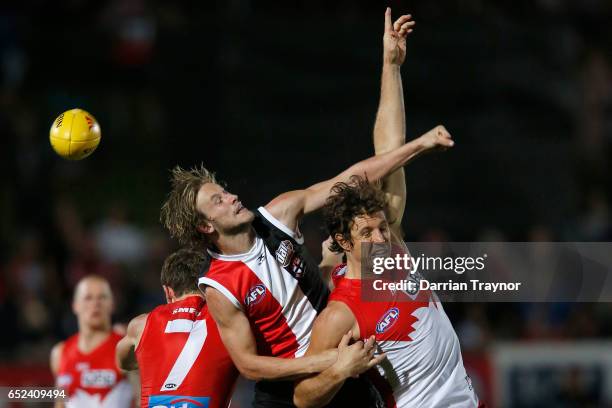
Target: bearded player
[
  {"x": 262, "y": 288},
  {"x": 177, "y": 346},
  {"x": 84, "y": 364}
]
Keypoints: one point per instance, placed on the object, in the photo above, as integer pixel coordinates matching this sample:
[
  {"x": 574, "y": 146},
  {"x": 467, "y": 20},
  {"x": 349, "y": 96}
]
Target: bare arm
[
  {"x": 238, "y": 338},
  {"x": 329, "y": 260},
  {"x": 390, "y": 125},
  {"x": 335, "y": 327},
  {"x": 289, "y": 207},
  {"x": 125, "y": 351},
  {"x": 54, "y": 361}
]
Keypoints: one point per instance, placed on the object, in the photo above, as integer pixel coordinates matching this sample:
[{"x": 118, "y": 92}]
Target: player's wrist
[
  {"x": 338, "y": 373},
  {"x": 390, "y": 64}
]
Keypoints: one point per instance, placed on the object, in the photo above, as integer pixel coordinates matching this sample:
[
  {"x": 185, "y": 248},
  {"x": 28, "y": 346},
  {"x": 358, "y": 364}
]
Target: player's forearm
[
  {"x": 258, "y": 368},
  {"x": 390, "y": 125},
  {"x": 125, "y": 356},
  {"x": 319, "y": 390},
  {"x": 380, "y": 166}
]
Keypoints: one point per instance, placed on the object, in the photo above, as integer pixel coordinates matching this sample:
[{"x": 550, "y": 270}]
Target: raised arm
[
  {"x": 125, "y": 351},
  {"x": 289, "y": 207},
  {"x": 390, "y": 125},
  {"x": 238, "y": 338},
  {"x": 335, "y": 327}
]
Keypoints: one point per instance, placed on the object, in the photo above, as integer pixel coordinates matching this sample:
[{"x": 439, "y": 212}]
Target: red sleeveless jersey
[
  {"x": 182, "y": 359},
  {"x": 93, "y": 379}
]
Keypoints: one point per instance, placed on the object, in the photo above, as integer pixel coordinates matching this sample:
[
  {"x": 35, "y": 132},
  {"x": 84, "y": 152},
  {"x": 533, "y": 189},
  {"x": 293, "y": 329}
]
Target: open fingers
[
  {"x": 406, "y": 28},
  {"x": 377, "y": 360},
  {"x": 345, "y": 339},
  {"x": 369, "y": 344},
  {"x": 388, "y": 25},
  {"x": 401, "y": 21}
]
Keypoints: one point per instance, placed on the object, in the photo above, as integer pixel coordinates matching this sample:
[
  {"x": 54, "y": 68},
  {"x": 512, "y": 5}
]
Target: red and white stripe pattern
[{"x": 270, "y": 296}]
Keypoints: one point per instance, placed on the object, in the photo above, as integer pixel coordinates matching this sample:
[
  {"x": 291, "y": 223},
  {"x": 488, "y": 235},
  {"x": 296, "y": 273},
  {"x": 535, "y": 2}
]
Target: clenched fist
[{"x": 437, "y": 138}]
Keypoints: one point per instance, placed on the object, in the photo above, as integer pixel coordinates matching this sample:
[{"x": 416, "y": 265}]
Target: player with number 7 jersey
[
  {"x": 182, "y": 359},
  {"x": 177, "y": 346}
]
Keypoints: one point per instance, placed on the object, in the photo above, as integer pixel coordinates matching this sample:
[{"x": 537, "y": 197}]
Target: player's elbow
[
  {"x": 250, "y": 371},
  {"x": 300, "y": 402}
]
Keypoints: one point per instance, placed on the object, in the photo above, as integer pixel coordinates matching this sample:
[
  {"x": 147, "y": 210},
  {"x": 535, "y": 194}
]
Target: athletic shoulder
[
  {"x": 136, "y": 325},
  {"x": 329, "y": 327},
  {"x": 56, "y": 356}
]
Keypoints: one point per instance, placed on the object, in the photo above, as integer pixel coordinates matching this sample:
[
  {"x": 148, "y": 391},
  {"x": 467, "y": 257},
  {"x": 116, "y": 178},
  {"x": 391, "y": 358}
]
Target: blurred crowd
[{"x": 525, "y": 87}]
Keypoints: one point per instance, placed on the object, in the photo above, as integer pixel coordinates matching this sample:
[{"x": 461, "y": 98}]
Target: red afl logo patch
[
  {"x": 388, "y": 320},
  {"x": 255, "y": 295}
]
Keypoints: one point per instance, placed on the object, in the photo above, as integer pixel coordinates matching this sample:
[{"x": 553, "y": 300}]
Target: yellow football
[{"x": 75, "y": 134}]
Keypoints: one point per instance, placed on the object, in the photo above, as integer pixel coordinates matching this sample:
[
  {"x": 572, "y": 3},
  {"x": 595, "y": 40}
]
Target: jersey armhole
[
  {"x": 144, "y": 332},
  {"x": 295, "y": 235},
  {"x": 355, "y": 314},
  {"x": 204, "y": 281}
]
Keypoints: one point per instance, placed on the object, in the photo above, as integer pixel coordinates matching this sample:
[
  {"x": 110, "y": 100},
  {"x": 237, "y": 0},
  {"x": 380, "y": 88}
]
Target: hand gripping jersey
[
  {"x": 424, "y": 367},
  {"x": 93, "y": 380},
  {"x": 182, "y": 360}
]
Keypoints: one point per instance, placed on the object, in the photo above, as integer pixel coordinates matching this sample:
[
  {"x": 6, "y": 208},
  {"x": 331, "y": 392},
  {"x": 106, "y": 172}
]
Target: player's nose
[{"x": 378, "y": 236}]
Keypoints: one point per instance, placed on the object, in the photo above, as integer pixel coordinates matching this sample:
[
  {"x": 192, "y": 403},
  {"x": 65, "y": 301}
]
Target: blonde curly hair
[{"x": 179, "y": 214}]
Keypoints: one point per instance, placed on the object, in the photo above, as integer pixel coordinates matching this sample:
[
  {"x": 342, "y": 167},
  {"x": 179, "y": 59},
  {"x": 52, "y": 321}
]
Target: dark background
[{"x": 275, "y": 96}]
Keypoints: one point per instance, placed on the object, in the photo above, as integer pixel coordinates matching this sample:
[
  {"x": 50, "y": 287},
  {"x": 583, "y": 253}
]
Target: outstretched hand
[{"x": 394, "y": 39}]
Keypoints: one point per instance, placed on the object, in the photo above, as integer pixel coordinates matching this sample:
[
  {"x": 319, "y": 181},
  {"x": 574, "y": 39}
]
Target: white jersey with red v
[{"x": 424, "y": 367}]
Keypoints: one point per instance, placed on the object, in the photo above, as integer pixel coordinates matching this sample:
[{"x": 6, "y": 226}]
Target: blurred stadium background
[{"x": 278, "y": 96}]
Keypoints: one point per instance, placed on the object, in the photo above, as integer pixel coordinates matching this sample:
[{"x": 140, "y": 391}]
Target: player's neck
[
  {"x": 236, "y": 244},
  {"x": 90, "y": 338},
  {"x": 185, "y": 296},
  {"x": 354, "y": 268}
]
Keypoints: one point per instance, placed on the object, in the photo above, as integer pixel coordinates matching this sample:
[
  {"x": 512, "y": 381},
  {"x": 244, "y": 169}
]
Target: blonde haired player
[
  {"x": 84, "y": 364},
  {"x": 263, "y": 288}
]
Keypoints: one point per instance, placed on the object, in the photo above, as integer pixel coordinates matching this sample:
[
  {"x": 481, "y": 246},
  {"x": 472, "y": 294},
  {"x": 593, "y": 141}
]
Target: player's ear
[
  {"x": 346, "y": 245},
  {"x": 206, "y": 228},
  {"x": 169, "y": 292}
]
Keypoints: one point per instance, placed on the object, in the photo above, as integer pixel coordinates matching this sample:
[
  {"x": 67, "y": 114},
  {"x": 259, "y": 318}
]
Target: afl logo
[
  {"x": 387, "y": 320},
  {"x": 284, "y": 253},
  {"x": 255, "y": 295}
]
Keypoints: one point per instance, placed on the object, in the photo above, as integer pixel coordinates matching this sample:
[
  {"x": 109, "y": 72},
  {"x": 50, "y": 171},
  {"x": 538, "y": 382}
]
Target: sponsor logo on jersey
[
  {"x": 64, "y": 380},
  {"x": 297, "y": 267},
  {"x": 190, "y": 310},
  {"x": 255, "y": 295},
  {"x": 284, "y": 253},
  {"x": 98, "y": 378},
  {"x": 388, "y": 320},
  {"x": 177, "y": 401}
]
